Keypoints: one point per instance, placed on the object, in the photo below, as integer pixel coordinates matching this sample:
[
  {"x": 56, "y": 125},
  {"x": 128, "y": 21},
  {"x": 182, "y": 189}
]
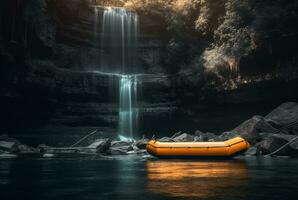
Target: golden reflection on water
[{"x": 198, "y": 179}]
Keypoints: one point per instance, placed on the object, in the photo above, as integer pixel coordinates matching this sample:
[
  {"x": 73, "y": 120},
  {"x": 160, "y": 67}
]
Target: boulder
[
  {"x": 120, "y": 143},
  {"x": 43, "y": 148},
  {"x": 274, "y": 142},
  {"x": 101, "y": 145},
  {"x": 141, "y": 144},
  {"x": 285, "y": 116},
  {"x": 198, "y": 133},
  {"x": 8, "y": 146},
  {"x": 287, "y": 137},
  {"x": 251, "y": 128},
  {"x": 22, "y": 148},
  {"x": 226, "y": 136},
  {"x": 165, "y": 139},
  {"x": 176, "y": 134},
  {"x": 184, "y": 138},
  {"x": 204, "y": 137}
]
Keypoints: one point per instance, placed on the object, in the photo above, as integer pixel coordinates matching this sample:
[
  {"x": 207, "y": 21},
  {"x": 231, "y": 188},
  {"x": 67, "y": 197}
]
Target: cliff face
[{"x": 48, "y": 58}]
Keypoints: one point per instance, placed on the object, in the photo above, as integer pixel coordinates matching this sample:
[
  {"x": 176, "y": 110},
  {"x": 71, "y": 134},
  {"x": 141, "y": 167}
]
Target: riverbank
[{"x": 276, "y": 134}]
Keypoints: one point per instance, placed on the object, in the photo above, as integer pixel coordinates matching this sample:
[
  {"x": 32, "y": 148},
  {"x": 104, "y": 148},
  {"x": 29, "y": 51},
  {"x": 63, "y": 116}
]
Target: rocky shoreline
[{"x": 275, "y": 134}]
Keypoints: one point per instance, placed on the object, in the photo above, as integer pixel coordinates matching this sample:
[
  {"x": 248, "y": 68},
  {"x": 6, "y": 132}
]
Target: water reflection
[{"x": 198, "y": 179}]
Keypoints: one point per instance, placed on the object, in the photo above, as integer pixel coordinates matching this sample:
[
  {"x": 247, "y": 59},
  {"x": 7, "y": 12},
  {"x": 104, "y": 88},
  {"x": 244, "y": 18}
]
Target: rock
[
  {"x": 197, "y": 139},
  {"x": 120, "y": 143},
  {"x": 285, "y": 116},
  {"x": 287, "y": 137},
  {"x": 101, "y": 145},
  {"x": 251, "y": 128},
  {"x": 226, "y": 136},
  {"x": 43, "y": 148},
  {"x": 141, "y": 144},
  {"x": 8, "y": 146},
  {"x": 176, "y": 134},
  {"x": 119, "y": 150},
  {"x": 272, "y": 143},
  {"x": 204, "y": 137},
  {"x": 139, "y": 151},
  {"x": 198, "y": 133},
  {"x": 252, "y": 151},
  {"x": 22, "y": 148},
  {"x": 184, "y": 138},
  {"x": 165, "y": 139}
]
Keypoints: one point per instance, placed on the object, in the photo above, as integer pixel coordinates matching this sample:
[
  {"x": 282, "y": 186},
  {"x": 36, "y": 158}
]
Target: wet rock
[
  {"x": 120, "y": 143},
  {"x": 251, "y": 128},
  {"x": 8, "y": 146},
  {"x": 22, "y": 148},
  {"x": 101, "y": 145},
  {"x": 252, "y": 151},
  {"x": 139, "y": 151},
  {"x": 166, "y": 139},
  {"x": 204, "y": 137},
  {"x": 141, "y": 144},
  {"x": 198, "y": 133},
  {"x": 274, "y": 142},
  {"x": 226, "y": 136},
  {"x": 120, "y": 150},
  {"x": 7, "y": 155},
  {"x": 43, "y": 148},
  {"x": 184, "y": 138},
  {"x": 287, "y": 137},
  {"x": 285, "y": 117},
  {"x": 176, "y": 134}
]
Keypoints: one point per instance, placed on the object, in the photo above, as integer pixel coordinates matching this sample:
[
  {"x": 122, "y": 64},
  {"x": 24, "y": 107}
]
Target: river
[{"x": 134, "y": 177}]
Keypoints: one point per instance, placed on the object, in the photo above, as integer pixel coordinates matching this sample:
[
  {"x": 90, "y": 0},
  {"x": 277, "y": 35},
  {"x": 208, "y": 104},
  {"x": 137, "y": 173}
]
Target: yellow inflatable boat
[{"x": 226, "y": 148}]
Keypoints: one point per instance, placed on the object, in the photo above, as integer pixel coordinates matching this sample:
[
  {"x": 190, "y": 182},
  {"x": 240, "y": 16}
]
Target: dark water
[{"x": 129, "y": 177}]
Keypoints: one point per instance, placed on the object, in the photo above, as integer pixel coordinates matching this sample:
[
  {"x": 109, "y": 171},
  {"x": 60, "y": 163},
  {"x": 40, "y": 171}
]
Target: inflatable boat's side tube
[{"x": 226, "y": 148}]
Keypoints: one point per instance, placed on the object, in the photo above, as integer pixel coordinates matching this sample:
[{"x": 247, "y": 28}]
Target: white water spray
[
  {"x": 128, "y": 111},
  {"x": 119, "y": 32},
  {"x": 118, "y": 44}
]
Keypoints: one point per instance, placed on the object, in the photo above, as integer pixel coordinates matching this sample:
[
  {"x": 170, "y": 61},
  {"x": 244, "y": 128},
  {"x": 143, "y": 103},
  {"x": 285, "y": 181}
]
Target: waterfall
[
  {"x": 118, "y": 42},
  {"x": 128, "y": 111},
  {"x": 118, "y": 46}
]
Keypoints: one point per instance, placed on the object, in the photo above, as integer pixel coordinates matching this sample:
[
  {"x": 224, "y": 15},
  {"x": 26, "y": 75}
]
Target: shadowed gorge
[{"x": 95, "y": 94}]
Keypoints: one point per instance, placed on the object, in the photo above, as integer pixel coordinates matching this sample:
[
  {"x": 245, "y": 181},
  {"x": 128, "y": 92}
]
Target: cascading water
[
  {"x": 118, "y": 43},
  {"x": 118, "y": 39},
  {"x": 128, "y": 110}
]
